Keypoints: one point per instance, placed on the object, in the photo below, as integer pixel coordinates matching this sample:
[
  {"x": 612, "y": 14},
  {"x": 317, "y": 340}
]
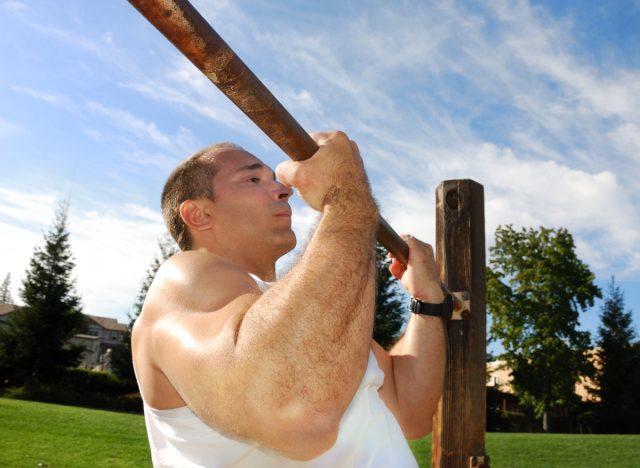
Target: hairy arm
[{"x": 281, "y": 367}]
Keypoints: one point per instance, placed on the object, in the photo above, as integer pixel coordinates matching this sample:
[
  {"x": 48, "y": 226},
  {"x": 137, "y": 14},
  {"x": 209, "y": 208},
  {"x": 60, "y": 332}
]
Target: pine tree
[
  {"x": 34, "y": 344},
  {"x": 389, "y": 316},
  {"x": 121, "y": 359},
  {"x": 5, "y": 290},
  {"x": 618, "y": 377}
]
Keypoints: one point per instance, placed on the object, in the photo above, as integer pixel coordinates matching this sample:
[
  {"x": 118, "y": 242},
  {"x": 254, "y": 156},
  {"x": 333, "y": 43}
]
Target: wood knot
[{"x": 452, "y": 198}]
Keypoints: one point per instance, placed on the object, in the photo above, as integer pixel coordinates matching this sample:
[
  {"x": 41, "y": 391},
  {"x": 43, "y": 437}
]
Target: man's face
[{"x": 251, "y": 209}]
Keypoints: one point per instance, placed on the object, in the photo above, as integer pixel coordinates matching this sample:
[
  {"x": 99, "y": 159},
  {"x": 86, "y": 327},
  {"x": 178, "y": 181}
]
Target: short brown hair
[{"x": 192, "y": 179}]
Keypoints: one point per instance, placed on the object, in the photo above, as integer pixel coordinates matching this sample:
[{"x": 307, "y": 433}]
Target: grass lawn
[
  {"x": 551, "y": 450},
  {"x": 63, "y": 436}
]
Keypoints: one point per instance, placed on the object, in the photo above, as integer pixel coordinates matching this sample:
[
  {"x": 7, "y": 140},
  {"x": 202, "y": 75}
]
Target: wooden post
[{"x": 459, "y": 424}]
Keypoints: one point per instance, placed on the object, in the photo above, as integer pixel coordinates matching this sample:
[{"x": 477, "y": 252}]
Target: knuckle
[
  {"x": 282, "y": 170},
  {"x": 321, "y": 138}
]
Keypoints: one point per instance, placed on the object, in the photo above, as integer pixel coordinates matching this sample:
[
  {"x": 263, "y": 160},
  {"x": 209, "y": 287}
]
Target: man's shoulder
[{"x": 197, "y": 280}]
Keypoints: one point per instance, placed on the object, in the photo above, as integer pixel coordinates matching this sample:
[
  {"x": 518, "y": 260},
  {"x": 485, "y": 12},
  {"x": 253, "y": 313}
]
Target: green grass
[
  {"x": 63, "y": 436},
  {"x": 551, "y": 450}
]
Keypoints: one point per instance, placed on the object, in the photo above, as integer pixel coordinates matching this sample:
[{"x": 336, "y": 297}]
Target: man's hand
[
  {"x": 420, "y": 277},
  {"x": 335, "y": 170}
]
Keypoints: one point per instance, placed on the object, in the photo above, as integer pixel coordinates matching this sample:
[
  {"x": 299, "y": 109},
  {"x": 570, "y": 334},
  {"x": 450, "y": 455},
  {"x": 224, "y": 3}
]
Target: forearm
[
  {"x": 418, "y": 368},
  {"x": 313, "y": 327}
]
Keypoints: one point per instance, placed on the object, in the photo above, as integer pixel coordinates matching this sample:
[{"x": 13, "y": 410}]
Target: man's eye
[{"x": 255, "y": 180}]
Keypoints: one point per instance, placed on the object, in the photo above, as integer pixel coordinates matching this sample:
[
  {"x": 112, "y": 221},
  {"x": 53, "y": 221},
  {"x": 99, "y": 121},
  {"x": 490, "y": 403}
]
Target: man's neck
[{"x": 259, "y": 265}]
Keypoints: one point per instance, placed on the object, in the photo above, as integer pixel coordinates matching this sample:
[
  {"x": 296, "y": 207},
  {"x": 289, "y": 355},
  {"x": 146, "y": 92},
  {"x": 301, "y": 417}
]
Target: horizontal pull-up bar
[{"x": 181, "y": 23}]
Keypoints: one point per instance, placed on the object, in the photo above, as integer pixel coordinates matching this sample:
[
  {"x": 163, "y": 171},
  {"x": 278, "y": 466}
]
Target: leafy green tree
[
  {"x": 389, "y": 316},
  {"x": 617, "y": 382},
  {"x": 121, "y": 359},
  {"x": 5, "y": 290},
  {"x": 34, "y": 344},
  {"x": 536, "y": 288}
]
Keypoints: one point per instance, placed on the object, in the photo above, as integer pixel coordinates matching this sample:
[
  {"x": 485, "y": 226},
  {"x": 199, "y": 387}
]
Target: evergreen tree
[
  {"x": 5, "y": 290},
  {"x": 618, "y": 377},
  {"x": 121, "y": 359},
  {"x": 34, "y": 344},
  {"x": 536, "y": 287},
  {"x": 389, "y": 316}
]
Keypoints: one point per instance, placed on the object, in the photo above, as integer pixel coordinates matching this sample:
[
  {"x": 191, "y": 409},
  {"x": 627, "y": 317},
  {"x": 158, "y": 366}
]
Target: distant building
[
  {"x": 102, "y": 334},
  {"x": 500, "y": 377},
  {"x": 586, "y": 385},
  {"x": 110, "y": 332},
  {"x": 5, "y": 310},
  {"x": 91, "y": 354}
]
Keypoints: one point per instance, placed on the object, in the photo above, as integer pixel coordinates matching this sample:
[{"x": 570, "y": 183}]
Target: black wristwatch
[{"x": 444, "y": 310}]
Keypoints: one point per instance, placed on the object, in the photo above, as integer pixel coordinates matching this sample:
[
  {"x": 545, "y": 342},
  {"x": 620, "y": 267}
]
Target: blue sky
[{"x": 537, "y": 101}]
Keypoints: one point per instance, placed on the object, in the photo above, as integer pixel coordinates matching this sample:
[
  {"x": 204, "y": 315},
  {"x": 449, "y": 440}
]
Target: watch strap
[{"x": 444, "y": 309}]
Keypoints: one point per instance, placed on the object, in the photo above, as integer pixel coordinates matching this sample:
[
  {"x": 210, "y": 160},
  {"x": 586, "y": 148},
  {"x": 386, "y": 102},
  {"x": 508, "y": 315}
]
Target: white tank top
[{"x": 369, "y": 436}]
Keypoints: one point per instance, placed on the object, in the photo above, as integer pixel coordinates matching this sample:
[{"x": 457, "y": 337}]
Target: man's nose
[{"x": 283, "y": 192}]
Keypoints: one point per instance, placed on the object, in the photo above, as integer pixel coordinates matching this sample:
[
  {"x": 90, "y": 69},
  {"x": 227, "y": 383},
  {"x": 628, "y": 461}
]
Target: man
[{"x": 236, "y": 372}]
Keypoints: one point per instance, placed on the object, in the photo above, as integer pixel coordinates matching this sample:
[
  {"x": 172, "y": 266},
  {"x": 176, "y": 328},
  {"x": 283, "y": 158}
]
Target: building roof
[
  {"x": 500, "y": 377},
  {"x": 6, "y": 308},
  {"x": 108, "y": 323}
]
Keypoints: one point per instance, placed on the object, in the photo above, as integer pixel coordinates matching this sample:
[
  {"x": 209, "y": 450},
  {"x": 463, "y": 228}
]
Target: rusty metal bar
[{"x": 181, "y": 23}]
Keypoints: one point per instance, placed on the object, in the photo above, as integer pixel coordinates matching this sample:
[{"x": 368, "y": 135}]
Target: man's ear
[{"x": 196, "y": 214}]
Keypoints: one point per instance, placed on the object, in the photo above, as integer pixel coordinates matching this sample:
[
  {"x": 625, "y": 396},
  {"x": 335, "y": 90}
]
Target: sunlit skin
[
  {"x": 281, "y": 367},
  {"x": 249, "y": 223}
]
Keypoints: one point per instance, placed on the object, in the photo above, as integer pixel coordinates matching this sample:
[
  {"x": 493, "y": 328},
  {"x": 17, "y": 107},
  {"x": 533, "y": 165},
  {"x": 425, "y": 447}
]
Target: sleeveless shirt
[{"x": 368, "y": 436}]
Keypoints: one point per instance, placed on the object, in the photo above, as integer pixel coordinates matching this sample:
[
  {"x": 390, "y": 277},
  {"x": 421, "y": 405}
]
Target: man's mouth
[{"x": 285, "y": 213}]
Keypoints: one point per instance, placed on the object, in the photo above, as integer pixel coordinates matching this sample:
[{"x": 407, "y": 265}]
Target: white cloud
[
  {"x": 543, "y": 45},
  {"x": 14, "y": 7},
  {"x": 68, "y": 37},
  {"x": 409, "y": 210},
  {"x": 23, "y": 217},
  {"x": 152, "y": 158},
  {"x": 626, "y": 137},
  {"x": 177, "y": 146},
  {"x": 561, "y": 148},
  {"x": 8, "y": 128},
  {"x": 15, "y": 251},
  {"x": 97, "y": 135},
  {"x": 184, "y": 87},
  {"x": 135, "y": 125},
  {"x": 26, "y": 208},
  {"x": 51, "y": 98},
  {"x": 112, "y": 246},
  {"x": 595, "y": 207}
]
